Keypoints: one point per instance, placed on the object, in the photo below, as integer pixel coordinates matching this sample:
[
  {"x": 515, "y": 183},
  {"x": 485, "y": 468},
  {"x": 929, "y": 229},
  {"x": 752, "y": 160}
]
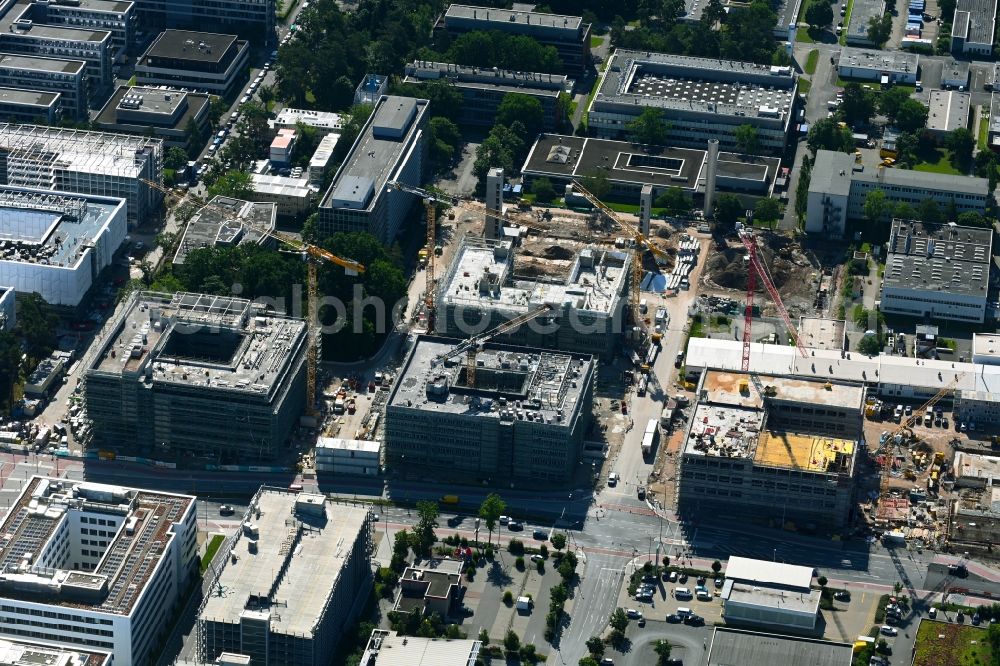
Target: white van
[
  {"x": 683, "y": 594},
  {"x": 613, "y": 479},
  {"x": 643, "y": 306}
]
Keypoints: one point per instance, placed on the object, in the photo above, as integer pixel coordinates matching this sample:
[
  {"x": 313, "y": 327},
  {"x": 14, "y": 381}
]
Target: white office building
[
  {"x": 324, "y": 122},
  {"x": 94, "y": 566},
  {"x": 387, "y": 648},
  {"x": 873, "y": 65},
  {"x": 320, "y": 161},
  {"x": 357, "y": 457},
  {"x": 769, "y": 594}
]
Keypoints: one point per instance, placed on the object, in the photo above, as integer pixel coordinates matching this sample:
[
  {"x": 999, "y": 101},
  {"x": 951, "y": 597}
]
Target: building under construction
[
  {"x": 523, "y": 418},
  {"x": 69, "y": 160},
  {"x": 190, "y": 374},
  {"x": 787, "y": 456},
  {"x": 482, "y": 289},
  {"x": 218, "y": 225}
]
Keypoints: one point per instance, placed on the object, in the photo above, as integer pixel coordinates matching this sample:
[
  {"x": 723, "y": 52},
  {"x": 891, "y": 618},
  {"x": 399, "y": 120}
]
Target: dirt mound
[
  {"x": 557, "y": 252},
  {"x": 728, "y": 268}
]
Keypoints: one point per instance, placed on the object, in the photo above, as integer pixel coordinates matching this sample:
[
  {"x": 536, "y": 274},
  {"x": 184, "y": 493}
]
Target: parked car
[
  {"x": 537, "y": 558},
  {"x": 842, "y": 595},
  {"x": 694, "y": 620},
  {"x": 718, "y": 582},
  {"x": 674, "y": 618},
  {"x": 633, "y": 614},
  {"x": 886, "y": 630},
  {"x": 514, "y": 526},
  {"x": 226, "y": 510}
]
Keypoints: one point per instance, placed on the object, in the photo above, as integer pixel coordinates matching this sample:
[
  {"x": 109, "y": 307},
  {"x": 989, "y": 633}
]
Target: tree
[
  {"x": 716, "y": 566},
  {"x": 748, "y": 33},
  {"x": 879, "y": 29},
  {"x": 802, "y": 189},
  {"x": 858, "y": 105},
  {"x": 619, "y": 620},
  {"x": 175, "y": 158},
  {"x": 890, "y": 101},
  {"x": 590, "y": 661},
  {"x": 826, "y": 134},
  {"x": 511, "y": 642},
  {"x": 904, "y": 211},
  {"x": 559, "y": 540},
  {"x": 911, "y": 116},
  {"x": 875, "y": 206},
  {"x": 524, "y": 109},
  {"x": 662, "y": 649},
  {"x": 235, "y": 184},
  {"x": 445, "y": 139},
  {"x": 974, "y": 219},
  {"x": 929, "y": 211},
  {"x": 500, "y": 148},
  {"x": 822, "y": 581},
  {"x": 423, "y": 531},
  {"x": 543, "y": 190},
  {"x": 767, "y": 210},
  {"x": 728, "y": 209},
  {"x": 595, "y": 645},
  {"x": 674, "y": 200},
  {"x": 266, "y": 95},
  {"x": 10, "y": 366},
  {"x": 819, "y": 14},
  {"x": 961, "y": 143},
  {"x": 907, "y": 144},
  {"x": 897, "y": 587},
  {"x": 596, "y": 182},
  {"x": 496, "y": 49},
  {"x": 869, "y": 345},
  {"x": 747, "y": 138},
  {"x": 713, "y": 13},
  {"x": 490, "y": 511},
  {"x": 36, "y": 324},
  {"x": 649, "y": 128}
]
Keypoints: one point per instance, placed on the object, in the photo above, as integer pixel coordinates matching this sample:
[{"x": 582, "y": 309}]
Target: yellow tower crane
[{"x": 313, "y": 255}]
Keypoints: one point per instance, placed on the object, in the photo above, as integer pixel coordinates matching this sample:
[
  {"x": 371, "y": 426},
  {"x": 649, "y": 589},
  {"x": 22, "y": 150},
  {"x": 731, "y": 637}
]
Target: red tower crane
[{"x": 756, "y": 270}]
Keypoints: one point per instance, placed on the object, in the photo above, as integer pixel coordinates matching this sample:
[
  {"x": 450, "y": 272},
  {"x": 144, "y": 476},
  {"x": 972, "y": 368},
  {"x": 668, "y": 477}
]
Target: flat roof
[
  {"x": 113, "y": 6},
  {"x": 189, "y": 45},
  {"x": 46, "y": 506},
  {"x": 902, "y": 62},
  {"x": 730, "y": 647},
  {"x": 493, "y": 16},
  {"x": 41, "y": 63},
  {"x": 150, "y": 100},
  {"x": 481, "y": 275},
  {"x": 977, "y": 466},
  {"x": 134, "y": 108},
  {"x": 50, "y": 227},
  {"x": 863, "y": 11},
  {"x": 938, "y": 257},
  {"x": 281, "y": 186},
  {"x": 686, "y": 83},
  {"x": 995, "y": 113},
  {"x": 822, "y": 332},
  {"x": 982, "y": 17},
  {"x": 920, "y": 179},
  {"x": 77, "y": 150},
  {"x": 37, "y": 98},
  {"x": 387, "y": 649},
  {"x": 956, "y": 71},
  {"x": 512, "y": 383},
  {"x": 216, "y": 343},
  {"x": 23, "y": 653},
  {"x": 319, "y": 119},
  {"x": 218, "y": 223},
  {"x": 949, "y": 110},
  {"x": 754, "y": 594},
  {"x": 339, "y": 444},
  {"x": 298, "y": 581},
  {"x": 834, "y": 171},
  {"x": 375, "y": 154},
  {"x": 749, "y": 570},
  {"x": 986, "y": 345},
  {"x": 485, "y": 78},
  {"x": 724, "y": 388}
]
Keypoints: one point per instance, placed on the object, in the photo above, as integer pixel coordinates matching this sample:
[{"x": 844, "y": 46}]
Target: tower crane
[
  {"x": 472, "y": 346},
  {"x": 640, "y": 243},
  {"x": 430, "y": 199},
  {"x": 313, "y": 255},
  {"x": 756, "y": 270}
]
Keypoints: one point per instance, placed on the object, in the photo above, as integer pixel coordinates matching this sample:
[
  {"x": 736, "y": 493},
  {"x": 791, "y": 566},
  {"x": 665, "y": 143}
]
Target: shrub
[
  {"x": 519, "y": 563},
  {"x": 508, "y": 597}
]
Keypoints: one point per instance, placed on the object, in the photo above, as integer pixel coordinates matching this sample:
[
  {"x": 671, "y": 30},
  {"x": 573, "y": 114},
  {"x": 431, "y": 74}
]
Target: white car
[
  {"x": 886, "y": 630},
  {"x": 504, "y": 520}
]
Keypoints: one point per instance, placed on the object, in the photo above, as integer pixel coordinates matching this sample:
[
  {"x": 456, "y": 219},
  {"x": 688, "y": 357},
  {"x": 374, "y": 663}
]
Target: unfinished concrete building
[
  {"x": 786, "y": 456},
  {"x": 523, "y": 418},
  {"x": 482, "y": 289},
  {"x": 210, "y": 376}
]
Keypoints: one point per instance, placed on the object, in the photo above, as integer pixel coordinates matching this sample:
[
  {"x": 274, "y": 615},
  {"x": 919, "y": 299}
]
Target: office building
[
  {"x": 218, "y": 225},
  {"x": 191, "y": 374},
  {"x": 521, "y": 420},
  {"x": 700, "y": 98},
  {"x": 323, "y": 122},
  {"x": 57, "y": 243},
  {"x": 972, "y": 30},
  {"x": 388, "y": 649},
  {"x": 628, "y": 167},
  {"x": 352, "y": 457},
  {"x": 283, "y": 147},
  {"x": 480, "y": 291},
  {"x": 862, "y": 12},
  {"x": 204, "y": 61},
  {"x": 569, "y": 35},
  {"x": 955, "y": 74},
  {"x": 483, "y": 89},
  {"x": 874, "y": 65},
  {"x": 769, "y": 595},
  {"x": 937, "y": 271},
  {"x": 50, "y": 75},
  {"x": 434, "y": 586},
  {"x": 93, "y": 163},
  {"x": 839, "y": 186},
  {"x": 8, "y": 313},
  {"x": 167, "y": 114},
  {"x": 253, "y": 19},
  {"x": 292, "y": 584},
  {"x": 292, "y": 197},
  {"x": 43, "y": 378},
  {"x": 96, "y": 567},
  {"x": 91, "y": 46},
  {"x": 949, "y": 110},
  {"x": 392, "y": 146},
  {"x": 29, "y": 106},
  {"x": 319, "y": 163},
  {"x": 786, "y": 456},
  {"x": 735, "y": 646},
  {"x": 117, "y": 17}
]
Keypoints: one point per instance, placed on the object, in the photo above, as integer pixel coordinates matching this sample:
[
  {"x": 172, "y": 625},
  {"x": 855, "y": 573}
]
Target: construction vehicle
[
  {"x": 428, "y": 253},
  {"x": 313, "y": 255},
  {"x": 639, "y": 245},
  {"x": 472, "y": 346}
]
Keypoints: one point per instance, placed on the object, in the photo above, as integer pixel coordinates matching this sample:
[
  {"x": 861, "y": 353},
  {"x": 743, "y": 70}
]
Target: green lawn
[
  {"x": 811, "y": 61},
  {"x": 211, "y": 550},
  {"x": 805, "y": 85},
  {"x": 802, "y": 35},
  {"x": 595, "y": 41},
  {"x": 984, "y": 131},
  {"x": 847, "y": 21},
  {"x": 939, "y": 163},
  {"x": 946, "y": 644}
]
